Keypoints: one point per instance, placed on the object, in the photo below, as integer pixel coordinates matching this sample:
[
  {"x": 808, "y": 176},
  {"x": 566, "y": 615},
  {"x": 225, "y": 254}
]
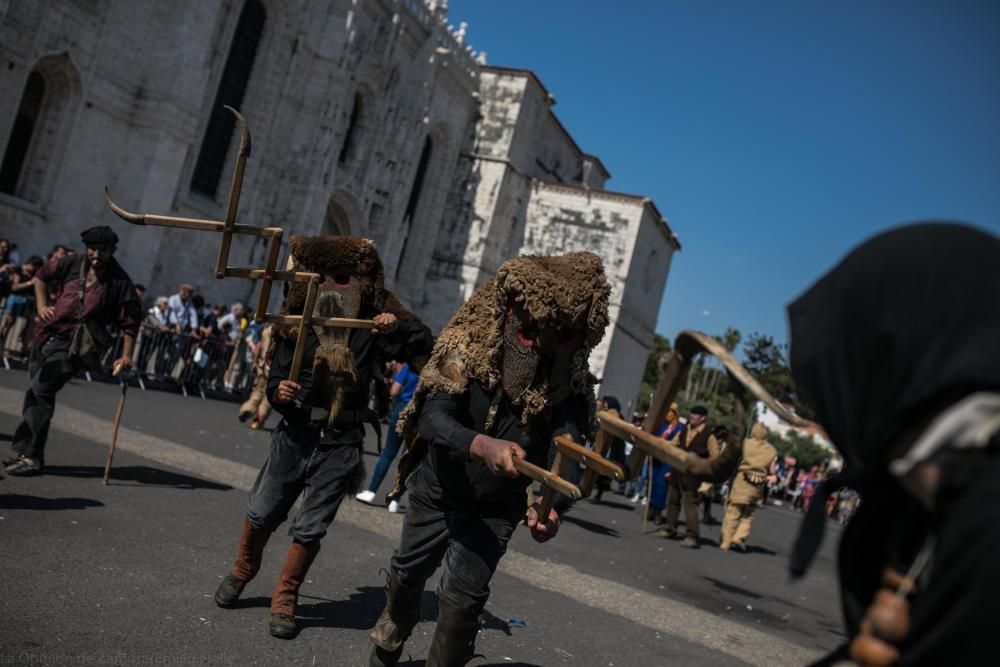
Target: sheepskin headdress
[
  {"x": 568, "y": 289},
  {"x": 355, "y": 255}
]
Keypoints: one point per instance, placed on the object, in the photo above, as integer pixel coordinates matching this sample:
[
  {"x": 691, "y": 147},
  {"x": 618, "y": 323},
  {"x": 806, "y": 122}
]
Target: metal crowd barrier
[{"x": 193, "y": 364}]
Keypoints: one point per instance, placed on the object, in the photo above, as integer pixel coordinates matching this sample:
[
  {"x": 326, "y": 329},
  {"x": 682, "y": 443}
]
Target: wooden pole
[
  {"x": 546, "y": 478},
  {"x": 300, "y": 342},
  {"x": 649, "y": 492},
  {"x": 265, "y": 285},
  {"x": 548, "y": 493},
  {"x": 114, "y": 432}
]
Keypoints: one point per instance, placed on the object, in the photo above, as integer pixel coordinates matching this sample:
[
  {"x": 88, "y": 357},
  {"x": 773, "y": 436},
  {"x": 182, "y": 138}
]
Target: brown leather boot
[
  {"x": 286, "y": 594},
  {"x": 454, "y": 641},
  {"x": 245, "y": 567},
  {"x": 393, "y": 627}
]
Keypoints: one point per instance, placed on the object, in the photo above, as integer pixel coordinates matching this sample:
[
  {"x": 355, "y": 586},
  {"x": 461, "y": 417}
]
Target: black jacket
[
  {"x": 448, "y": 423},
  {"x": 410, "y": 339}
]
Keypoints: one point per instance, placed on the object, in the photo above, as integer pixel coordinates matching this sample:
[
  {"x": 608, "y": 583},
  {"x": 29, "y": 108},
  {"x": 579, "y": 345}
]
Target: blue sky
[{"x": 774, "y": 136}]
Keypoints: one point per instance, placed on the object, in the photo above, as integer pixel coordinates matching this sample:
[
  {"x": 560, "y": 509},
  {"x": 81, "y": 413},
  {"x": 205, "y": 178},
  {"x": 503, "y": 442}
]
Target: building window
[
  {"x": 411, "y": 204},
  {"x": 232, "y": 86},
  {"x": 28, "y": 114},
  {"x": 350, "y": 137}
]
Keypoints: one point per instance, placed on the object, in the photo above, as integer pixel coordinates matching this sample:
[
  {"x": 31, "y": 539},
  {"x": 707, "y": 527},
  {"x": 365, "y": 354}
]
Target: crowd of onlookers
[
  {"x": 17, "y": 295},
  {"x": 188, "y": 341},
  {"x": 183, "y": 338}
]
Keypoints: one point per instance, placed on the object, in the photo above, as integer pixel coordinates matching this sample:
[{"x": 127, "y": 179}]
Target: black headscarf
[{"x": 907, "y": 318}]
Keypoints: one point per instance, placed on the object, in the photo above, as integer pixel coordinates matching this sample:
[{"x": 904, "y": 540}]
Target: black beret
[
  {"x": 699, "y": 410},
  {"x": 101, "y": 235}
]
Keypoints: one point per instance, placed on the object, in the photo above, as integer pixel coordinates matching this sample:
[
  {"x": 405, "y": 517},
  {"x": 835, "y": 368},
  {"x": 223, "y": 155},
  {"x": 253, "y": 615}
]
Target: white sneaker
[
  {"x": 635, "y": 498},
  {"x": 394, "y": 507},
  {"x": 366, "y": 497}
]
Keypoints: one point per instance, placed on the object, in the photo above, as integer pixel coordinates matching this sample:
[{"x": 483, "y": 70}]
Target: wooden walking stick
[
  {"x": 649, "y": 491},
  {"x": 114, "y": 433}
]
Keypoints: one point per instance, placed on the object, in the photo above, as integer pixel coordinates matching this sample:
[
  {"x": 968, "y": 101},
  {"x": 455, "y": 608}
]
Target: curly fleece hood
[
  {"x": 568, "y": 289},
  {"x": 357, "y": 256}
]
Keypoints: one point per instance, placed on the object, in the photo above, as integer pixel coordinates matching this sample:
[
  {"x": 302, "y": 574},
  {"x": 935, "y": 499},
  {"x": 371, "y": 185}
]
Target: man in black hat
[
  {"x": 698, "y": 439},
  {"x": 93, "y": 292}
]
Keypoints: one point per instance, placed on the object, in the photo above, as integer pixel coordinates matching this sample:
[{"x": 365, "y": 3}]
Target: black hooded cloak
[{"x": 906, "y": 325}]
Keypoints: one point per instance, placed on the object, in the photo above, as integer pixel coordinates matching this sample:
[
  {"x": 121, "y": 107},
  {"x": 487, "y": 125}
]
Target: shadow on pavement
[
  {"x": 754, "y": 549},
  {"x": 422, "y": 663},
  {"x": 16, "y": 501},
  {"x": 591, "y": 526},
  {"x": 604, "y": 502},
  {"x": 361, "y": 610},
  {"x": 358, "y": 612},
  {"x": 139, "y": 476},
  {"x": 729, "y": 588}
]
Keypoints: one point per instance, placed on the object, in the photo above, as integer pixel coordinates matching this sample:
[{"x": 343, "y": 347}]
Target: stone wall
[
  {"x": 343, "y": 98},
  {"x": 141, "y": 81}
]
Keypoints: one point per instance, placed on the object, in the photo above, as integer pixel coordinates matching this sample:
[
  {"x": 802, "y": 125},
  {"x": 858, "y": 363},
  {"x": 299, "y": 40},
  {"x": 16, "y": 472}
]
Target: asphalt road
[{"x": 125, "y": 574}]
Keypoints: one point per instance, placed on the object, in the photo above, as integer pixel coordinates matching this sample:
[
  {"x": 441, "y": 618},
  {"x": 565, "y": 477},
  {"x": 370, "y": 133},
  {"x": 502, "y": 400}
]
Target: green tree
[
  {"x": 805, "y": 450},
  {"x": 767, "y": 361}
]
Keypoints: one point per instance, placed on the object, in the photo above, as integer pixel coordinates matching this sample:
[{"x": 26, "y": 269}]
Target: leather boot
[
  {"x": 393, "y": 627},
  {"x": 245, "y": 567},
  {"x": 286, "y": 594},
  {"x": 454, "y": 641}
]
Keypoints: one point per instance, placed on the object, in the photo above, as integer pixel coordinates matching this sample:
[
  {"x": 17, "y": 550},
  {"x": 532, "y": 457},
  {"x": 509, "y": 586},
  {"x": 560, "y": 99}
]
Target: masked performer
[
  {"x": 316, "y": 450},
  {"x": 508, "y": 373},
  {"x": 897, "y": 352}
]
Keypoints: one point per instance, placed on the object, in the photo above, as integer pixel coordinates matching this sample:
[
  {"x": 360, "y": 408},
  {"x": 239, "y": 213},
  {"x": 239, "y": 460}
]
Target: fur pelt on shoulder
[{"x": 568, "y": 289}]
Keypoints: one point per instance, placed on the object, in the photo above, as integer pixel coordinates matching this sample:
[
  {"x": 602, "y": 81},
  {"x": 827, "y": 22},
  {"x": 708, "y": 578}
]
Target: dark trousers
[
  {"x": 321, "y": 474},
  {"x": 683, "y": 491},
  {"x": 392, "y": 443},
  {"x": 469, "y": 541},
  {"x": 50, "y": 370}
]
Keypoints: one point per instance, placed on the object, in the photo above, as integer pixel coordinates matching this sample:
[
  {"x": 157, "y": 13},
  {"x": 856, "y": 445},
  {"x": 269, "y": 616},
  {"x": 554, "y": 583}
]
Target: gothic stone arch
[
  {"x": 54, "y": 124},
  {"x": 344, "y": 215}
]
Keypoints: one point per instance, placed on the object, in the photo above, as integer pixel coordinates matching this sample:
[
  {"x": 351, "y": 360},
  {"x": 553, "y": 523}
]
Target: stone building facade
[{"x": 369, "y": 117}]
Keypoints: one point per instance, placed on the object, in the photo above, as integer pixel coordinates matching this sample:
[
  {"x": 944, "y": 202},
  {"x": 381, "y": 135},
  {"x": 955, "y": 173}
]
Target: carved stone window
[
  {"x": 25, "y": 122},
  {"x": 232, "y": 87},
  {"x": 41, "y": 128},
  {"x": 411, "y": 204}
]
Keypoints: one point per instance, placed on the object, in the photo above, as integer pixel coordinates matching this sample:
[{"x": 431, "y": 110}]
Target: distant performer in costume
[
  {"x": 747, "y": 489},
  {"x": 316, "y": 450},
  {"x": 508, "y": 373},
  {"x": 257, "y": 405}
]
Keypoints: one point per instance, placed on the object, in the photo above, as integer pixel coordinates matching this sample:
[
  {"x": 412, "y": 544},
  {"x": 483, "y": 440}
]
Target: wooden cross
[{"x": 228, "y": 227}]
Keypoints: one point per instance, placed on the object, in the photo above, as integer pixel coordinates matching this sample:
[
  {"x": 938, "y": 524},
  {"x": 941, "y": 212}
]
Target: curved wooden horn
[
  {"x": 134, "y": 218},
  {"x": 244, "y": 150},
  {"x": 686, "y": 347},
  {"x": 687, "y": 340}
]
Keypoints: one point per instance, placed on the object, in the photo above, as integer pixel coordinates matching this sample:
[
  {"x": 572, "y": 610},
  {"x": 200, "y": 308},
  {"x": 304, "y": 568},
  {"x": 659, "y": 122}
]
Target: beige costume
[
  {"x": 256, "y": 404},
  {"x": 747, "y": 488}
]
